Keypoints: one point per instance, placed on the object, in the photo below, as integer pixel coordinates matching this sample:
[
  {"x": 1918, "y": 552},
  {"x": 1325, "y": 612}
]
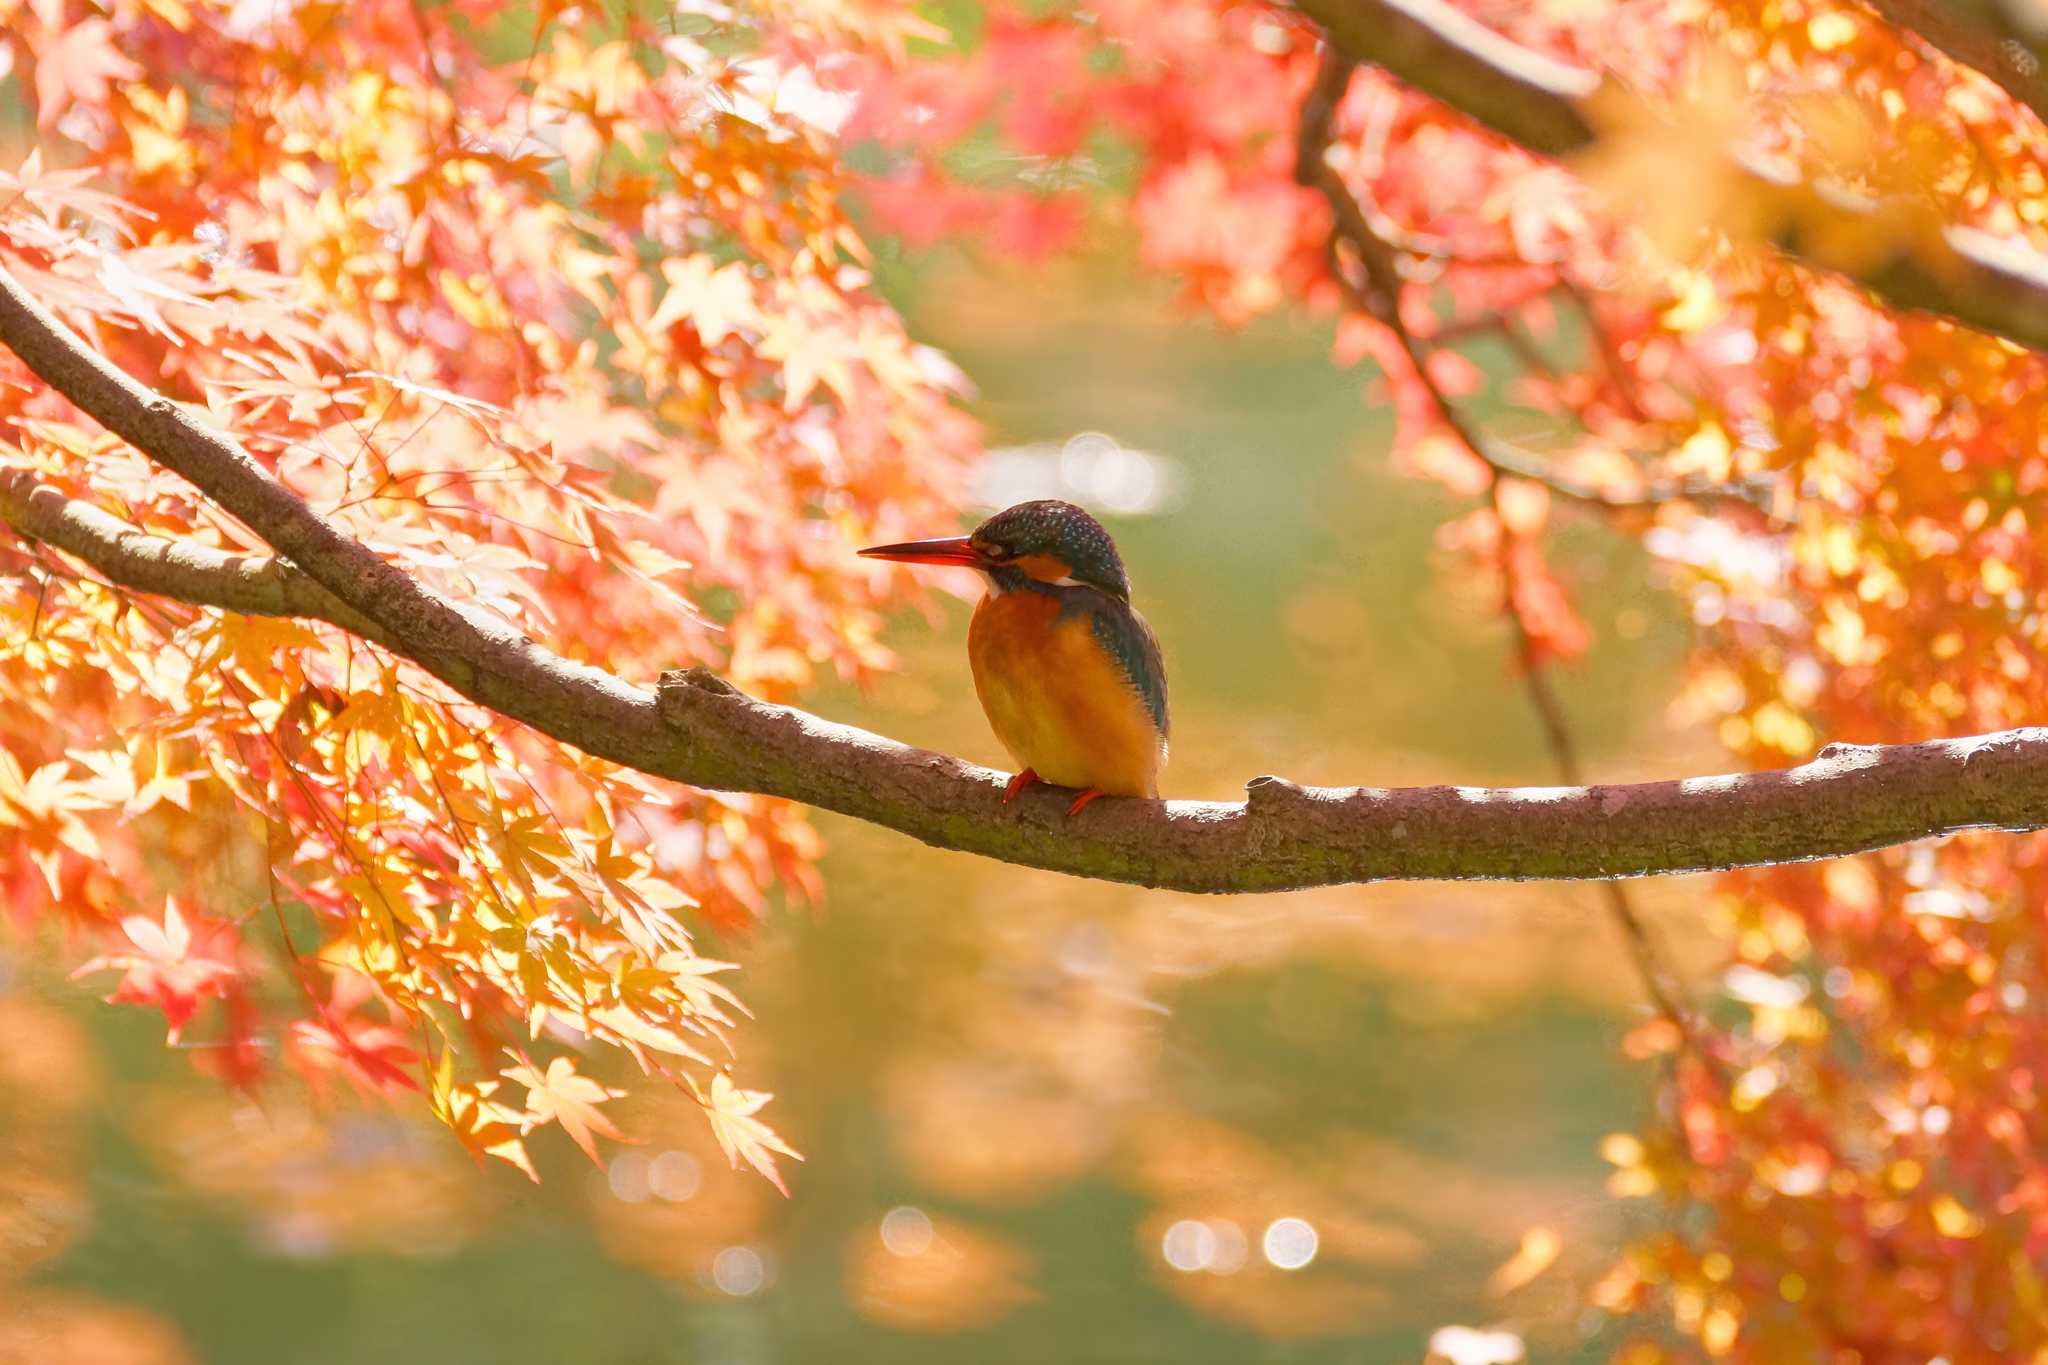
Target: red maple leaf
[
  {"x": 374, "y": 1057},
  {"x": 167, "y": 969}
]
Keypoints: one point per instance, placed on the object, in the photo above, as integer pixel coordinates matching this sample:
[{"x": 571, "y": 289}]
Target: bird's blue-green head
[
  {"x": 1053, "y": 541},
  {"x": 1047, "y": 541}
]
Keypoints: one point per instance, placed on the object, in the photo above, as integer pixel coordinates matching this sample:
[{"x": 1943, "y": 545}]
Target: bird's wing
[{"x": 1136, "y": 649}]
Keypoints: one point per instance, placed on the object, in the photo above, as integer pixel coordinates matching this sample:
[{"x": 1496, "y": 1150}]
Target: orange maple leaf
[{"x": 374, "y": 1057}]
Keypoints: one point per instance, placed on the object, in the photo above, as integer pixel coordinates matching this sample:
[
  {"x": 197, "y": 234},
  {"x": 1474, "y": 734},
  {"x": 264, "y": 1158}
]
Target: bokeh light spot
[
  {"x": 1188, "y": 1246},
  {"x": 628, "y": 1177},
  {"x": 739, "y": 1271},
  {"x": 1090, "y": 467},
  {"x": 1231, "y": 1247},
  {"x": 1290, "y": 1243},
  {"x": 1475, "y": 1346},
  {"x": 675, "y": 1176},
  {"x": 907, "y": 1230}
]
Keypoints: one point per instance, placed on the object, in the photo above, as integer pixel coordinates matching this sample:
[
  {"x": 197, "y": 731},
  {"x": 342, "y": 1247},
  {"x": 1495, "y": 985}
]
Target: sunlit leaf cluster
[{"x": 560, "y": 311}]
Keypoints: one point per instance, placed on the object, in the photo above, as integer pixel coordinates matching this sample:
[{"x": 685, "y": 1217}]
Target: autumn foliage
[
  {"x": 568, "y": 319},
  {"x": 567, "y": 311}
]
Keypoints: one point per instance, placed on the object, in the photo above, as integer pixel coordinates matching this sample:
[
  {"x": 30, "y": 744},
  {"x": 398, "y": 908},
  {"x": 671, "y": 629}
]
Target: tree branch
[
  {"x": 699, "y": 730},
  {"x": 1380, "y": 297},
  {"x": 1377, "y": 294},
  {"x": 255, "y": 585},
  {"x": 1995, "y": 285},
  {"x": 1977, "y": 36}
]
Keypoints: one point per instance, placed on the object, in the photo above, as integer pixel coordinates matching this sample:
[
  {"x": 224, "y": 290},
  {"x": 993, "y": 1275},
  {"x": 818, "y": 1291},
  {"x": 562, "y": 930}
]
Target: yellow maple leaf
[
  {"x": 739, "y": 1133},
  {"x": 563, "y": 1096}
]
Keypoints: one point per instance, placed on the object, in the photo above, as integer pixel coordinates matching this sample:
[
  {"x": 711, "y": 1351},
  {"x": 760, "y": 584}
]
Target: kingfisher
[{"x": 1068, "y": 673}]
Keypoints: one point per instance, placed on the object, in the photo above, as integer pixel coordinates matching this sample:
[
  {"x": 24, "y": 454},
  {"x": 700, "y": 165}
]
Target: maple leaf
[
  {"x": 80, "y": 63},
  {"x": 47, "y": 802},
  {"x": 137, "y": 291},
  {"x": 717, "y": 300},
  {"x": 741, "y": 1135},
  {"x": 635, "y": 1032},
  {"x": 691, "y": 976},
  {"x": 374, "y": 1057},
  {"x": 562, "y": 1095},
  {"x": 463, "y": 403},
  {"x": 57, "y": 191},
  {"x": 164, "y": 970},
  {"x": 482, "y": 1123},
  {"x": 161, "y": 784}
]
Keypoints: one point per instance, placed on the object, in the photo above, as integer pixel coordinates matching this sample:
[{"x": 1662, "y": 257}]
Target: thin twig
[
  {"x": 1618, "y": 372},
  {"x": 1379, "y": 296},
  {"x": 1667, "y": 993},
  {"x": 1376, "y": 292}
]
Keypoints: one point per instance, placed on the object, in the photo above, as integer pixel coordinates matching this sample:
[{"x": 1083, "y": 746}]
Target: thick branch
[
  {"x": 1524, "y": 95},
  {"x": 1995, "y": 285},
  {"x": 476, "y": 654},
  {"x": 1978, "y": 36},
  {"x": 255, "y": 585},
  {"x": 704, "y": 732}
]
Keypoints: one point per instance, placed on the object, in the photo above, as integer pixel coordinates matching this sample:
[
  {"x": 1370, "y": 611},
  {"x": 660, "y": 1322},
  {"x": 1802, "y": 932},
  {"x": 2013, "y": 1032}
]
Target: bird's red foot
[
  {"x": 1088, "y": 794},
  {"x": 1018, "y": 783}
]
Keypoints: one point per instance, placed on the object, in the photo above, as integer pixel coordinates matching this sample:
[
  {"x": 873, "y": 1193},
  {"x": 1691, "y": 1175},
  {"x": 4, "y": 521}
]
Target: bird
[{"x": 1069, "y": 674}]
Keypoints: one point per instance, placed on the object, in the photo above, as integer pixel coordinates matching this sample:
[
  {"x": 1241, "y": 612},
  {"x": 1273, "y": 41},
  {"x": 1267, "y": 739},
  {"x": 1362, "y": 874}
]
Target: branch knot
[
  {"x": 682, "y": 689},
  {"x": 1270, "y": 793}
]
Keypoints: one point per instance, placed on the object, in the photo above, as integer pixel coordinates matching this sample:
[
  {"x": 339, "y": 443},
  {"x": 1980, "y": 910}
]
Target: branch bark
[
  {"x": 1995, "y": 285},
  {"x": 1979, "y": 36},
  {"x": 699, "y": 730},
  {"x": 254, "y": 585}
]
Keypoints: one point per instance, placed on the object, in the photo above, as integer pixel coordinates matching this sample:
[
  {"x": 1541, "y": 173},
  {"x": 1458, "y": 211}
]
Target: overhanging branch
[
  {"x": 254, "y": 585},
  {"x": 1995, "y": 285},
  {"x": 1977, "y": 34},
  {"x": 698, "y": 730}
]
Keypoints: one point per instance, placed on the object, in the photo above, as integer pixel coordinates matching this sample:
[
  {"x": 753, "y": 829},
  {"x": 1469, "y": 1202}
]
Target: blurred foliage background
[{"x": 1044, "y": 1120}]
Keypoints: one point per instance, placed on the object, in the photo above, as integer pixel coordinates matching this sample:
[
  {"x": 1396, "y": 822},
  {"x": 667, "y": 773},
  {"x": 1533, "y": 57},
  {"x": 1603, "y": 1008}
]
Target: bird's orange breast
[{"x": 1058, "y": 701}]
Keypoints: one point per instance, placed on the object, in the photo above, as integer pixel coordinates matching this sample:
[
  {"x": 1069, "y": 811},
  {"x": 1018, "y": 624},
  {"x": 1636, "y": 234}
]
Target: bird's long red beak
[{"x": 954, "y": 550}]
